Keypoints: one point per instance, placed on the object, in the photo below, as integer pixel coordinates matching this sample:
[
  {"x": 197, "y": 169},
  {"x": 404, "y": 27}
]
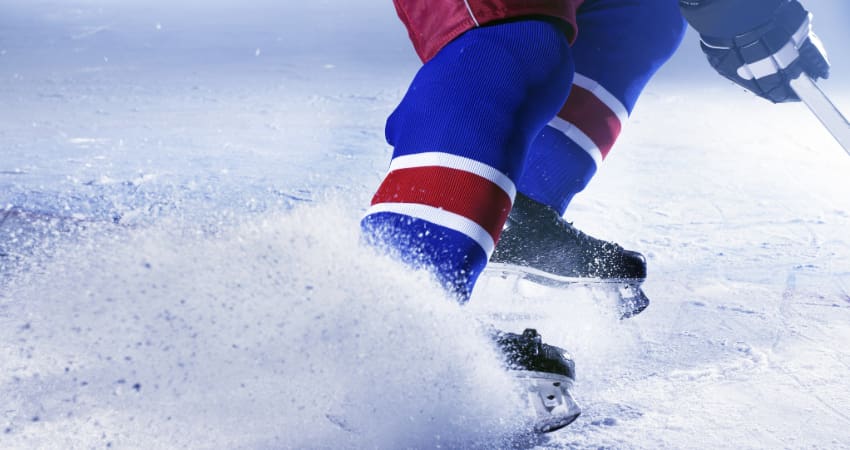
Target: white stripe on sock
[
  {"x": 578, "y": 136},
  {"x": 612, "y": 102},
  {"x": 456, "y": 162},
  {"x": 440, "y": 217}
]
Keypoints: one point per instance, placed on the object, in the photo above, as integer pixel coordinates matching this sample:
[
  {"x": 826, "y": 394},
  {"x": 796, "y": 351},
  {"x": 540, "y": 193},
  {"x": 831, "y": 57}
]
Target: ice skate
[
  {"x": 539, "y": 245},
  {"x": 547, "y": 374}
]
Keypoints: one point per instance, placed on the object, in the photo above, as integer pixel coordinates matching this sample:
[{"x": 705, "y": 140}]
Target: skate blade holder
[
  {"x": 530, "y": 282},
  {"x": 549, "y": 395}
]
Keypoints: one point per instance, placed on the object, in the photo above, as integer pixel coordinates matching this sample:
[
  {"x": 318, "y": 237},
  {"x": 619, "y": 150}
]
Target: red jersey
[{"x": 434, "y": 23}]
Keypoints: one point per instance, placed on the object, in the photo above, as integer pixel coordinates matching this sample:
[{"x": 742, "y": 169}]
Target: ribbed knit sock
[
  {"x": 620, "y": 45},
  {"x": 460, "y": 138}
]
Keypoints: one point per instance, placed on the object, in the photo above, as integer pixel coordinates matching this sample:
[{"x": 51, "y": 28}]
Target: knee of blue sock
[{"x": 667, "y": 33}]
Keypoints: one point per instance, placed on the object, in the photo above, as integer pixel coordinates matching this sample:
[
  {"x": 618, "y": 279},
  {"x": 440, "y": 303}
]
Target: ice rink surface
[{"x": 180, "y": 187}]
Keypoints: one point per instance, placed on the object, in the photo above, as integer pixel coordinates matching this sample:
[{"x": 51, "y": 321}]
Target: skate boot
[
  {"x": 539, "y": 245},
  {"x": 546, "y": 372}
]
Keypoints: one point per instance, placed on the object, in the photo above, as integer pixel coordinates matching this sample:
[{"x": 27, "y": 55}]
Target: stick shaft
[{"x": 824, "y": 109}]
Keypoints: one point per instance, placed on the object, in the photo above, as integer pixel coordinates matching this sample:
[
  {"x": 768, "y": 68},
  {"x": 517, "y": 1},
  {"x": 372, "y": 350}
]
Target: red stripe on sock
[
  {"x": 463, "y": 193},
  {"x": 593, "y": 117}
]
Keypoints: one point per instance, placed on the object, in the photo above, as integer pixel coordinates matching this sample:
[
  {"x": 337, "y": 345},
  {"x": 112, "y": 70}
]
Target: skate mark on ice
[
  {"x": 739, "y": 309},
  {"x": 790, "y": 285},
  {"x": 611, "y": 414},
  {"x": 741, "y": 225},
  {"x": 787, "y": 295},
  {"x": 805, "y": 386},
  {"x": 734, "y": 309},
  {"x": 790, "y": 291},
  {"x": 737, "y": 358},
  {"x": 696, "y": 303},
  {"x": 845, "y": 291},
  {"x": 340, "y": 423}
]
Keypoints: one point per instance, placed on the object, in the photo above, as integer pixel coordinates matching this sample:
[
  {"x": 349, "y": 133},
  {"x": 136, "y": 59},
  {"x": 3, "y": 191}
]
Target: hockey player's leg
[
  {"x": 460, "y": 137},
  {"x": 621, "y": 45}
]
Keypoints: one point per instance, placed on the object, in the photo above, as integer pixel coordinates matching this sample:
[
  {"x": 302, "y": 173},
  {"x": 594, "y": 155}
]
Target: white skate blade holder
[
  {"x": 549, "y": 395},
  {"x": 823, "y": 109},
  {"x": 631, "y": 298}
]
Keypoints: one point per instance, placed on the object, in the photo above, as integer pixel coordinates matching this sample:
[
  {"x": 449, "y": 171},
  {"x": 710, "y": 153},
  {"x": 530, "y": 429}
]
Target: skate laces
[
  {"x": 583, "y": 237},
  {"x": 530, "y": 214}
]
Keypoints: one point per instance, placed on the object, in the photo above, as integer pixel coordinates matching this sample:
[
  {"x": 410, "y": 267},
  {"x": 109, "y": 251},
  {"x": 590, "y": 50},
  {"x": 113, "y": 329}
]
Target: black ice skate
[
  {"x": 546, "y": 372},
  {"x": 539, "y": 245}
]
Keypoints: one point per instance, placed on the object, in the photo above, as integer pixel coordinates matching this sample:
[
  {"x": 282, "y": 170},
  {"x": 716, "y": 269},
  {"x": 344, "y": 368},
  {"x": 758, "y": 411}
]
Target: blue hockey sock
[
  {"x": 460, "y": 138},
  {"x": 620, "y": 45}
]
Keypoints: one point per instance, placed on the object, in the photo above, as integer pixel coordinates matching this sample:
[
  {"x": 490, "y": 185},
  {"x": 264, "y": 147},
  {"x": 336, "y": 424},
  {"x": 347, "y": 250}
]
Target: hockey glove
[{"x": 766, "y": 58}]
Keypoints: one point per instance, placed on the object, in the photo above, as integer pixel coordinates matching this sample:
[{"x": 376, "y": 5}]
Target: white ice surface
[{"x": 180, "y": 186}]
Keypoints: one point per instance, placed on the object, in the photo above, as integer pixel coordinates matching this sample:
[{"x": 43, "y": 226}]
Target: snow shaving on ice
[{"x": 283, "y": 331}]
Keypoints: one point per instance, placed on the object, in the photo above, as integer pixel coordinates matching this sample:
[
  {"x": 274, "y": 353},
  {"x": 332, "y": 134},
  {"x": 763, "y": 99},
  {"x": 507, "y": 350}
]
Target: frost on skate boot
[
  {"x": 546, "y": 373},
  {"x": 538, "y": 244}
]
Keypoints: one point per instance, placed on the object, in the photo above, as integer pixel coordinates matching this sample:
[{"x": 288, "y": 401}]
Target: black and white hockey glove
[{"x": 761, "y": 44}]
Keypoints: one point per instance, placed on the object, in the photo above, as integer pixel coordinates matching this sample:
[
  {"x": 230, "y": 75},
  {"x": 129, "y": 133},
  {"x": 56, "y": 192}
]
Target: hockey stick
[{"x": 824, "y": 109}]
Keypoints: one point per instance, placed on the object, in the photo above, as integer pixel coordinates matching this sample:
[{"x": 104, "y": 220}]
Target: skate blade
[
  {"x": 549, "y": 395},
  {"x": 632, "y": 299}
]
